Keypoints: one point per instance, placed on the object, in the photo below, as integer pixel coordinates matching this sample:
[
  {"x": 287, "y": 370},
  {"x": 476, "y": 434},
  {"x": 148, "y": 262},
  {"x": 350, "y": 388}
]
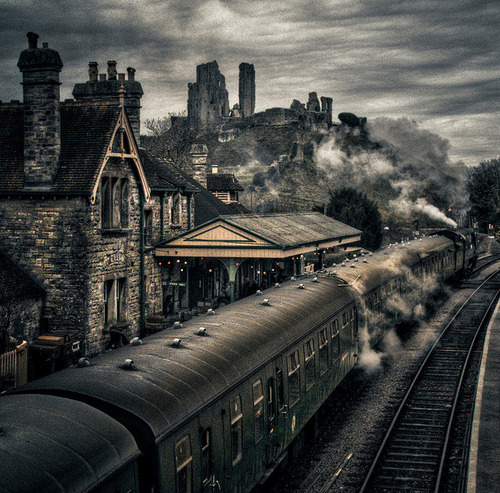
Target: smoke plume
[{"x": 406, "y": 167}]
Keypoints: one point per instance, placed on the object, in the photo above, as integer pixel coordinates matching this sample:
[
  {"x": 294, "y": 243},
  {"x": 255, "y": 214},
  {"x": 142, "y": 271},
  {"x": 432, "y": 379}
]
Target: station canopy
[{"x": 275, "y": 236}]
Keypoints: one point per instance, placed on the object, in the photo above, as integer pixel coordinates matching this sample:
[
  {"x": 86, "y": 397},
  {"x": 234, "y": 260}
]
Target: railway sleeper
[
  {"x": 409, "y": 443},
  {"x": 405, "y": 462},
  {"x": 409, "y": 471},
  {"x": 403, "y": 483}
]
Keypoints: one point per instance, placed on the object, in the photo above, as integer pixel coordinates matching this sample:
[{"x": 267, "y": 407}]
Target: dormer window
[{"x": 115, "y": 203}]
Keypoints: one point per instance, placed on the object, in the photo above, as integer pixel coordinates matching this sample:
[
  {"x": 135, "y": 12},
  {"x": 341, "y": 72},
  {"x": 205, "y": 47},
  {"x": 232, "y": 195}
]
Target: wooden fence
[{"x": 14, "y": 367}]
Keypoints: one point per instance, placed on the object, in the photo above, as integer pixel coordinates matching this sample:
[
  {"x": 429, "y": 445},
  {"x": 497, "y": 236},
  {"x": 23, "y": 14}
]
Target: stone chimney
[
  {"x": 108, "y": 88},
  {"x": 111, "y": 70},
  {"x": 199, "y": 155},
  {"x": 42, "y": 119},
  {"x": 93, "y": 72}
]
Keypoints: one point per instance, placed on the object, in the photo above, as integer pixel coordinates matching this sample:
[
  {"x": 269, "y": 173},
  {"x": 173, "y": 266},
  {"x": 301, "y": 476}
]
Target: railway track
[{"x": 414, "y": 454}]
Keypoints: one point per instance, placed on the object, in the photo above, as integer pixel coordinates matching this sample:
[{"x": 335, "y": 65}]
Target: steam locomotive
[{"x": 215, "y": 404}]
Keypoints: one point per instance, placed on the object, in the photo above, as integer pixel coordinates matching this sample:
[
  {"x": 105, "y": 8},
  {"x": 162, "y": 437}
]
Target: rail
[{"x": 411, "y": 393}]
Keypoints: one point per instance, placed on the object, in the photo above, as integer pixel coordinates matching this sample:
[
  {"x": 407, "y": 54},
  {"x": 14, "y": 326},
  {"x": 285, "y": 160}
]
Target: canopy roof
[{"x": 260, "y": 236}]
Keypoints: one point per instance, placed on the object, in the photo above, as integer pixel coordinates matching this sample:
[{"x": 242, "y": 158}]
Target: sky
[{"x": 436, "y": 62}]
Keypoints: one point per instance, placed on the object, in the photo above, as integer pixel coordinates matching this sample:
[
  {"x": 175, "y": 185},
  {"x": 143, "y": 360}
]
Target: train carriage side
[{"x": 219, "y": 408}]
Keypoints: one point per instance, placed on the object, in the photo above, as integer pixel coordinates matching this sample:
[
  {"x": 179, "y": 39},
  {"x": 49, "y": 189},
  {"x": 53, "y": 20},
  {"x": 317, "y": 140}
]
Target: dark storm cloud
[{"x": 430, "y": 60}]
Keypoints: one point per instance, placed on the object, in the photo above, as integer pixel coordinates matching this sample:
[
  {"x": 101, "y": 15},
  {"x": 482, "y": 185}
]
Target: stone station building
[{"x": 81, "y": 204}]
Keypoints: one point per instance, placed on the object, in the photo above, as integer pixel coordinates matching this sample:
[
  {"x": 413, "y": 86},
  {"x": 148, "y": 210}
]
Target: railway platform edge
[{"x": 484, "y": 458}]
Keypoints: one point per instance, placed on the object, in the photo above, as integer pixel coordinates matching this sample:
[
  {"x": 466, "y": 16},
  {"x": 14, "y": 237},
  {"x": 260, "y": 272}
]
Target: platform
[{"x": 484, "y": 459}]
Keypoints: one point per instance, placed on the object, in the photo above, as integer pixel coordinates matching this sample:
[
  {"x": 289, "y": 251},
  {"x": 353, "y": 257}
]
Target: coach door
[{"x": 277, "y": 411}]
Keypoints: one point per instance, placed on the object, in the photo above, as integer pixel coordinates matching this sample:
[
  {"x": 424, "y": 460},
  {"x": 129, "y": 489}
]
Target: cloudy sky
[{"x": 434, "y": 61}]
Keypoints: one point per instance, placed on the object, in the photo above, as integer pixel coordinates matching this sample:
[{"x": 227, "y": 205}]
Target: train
[{"x": 215, "y": 403}]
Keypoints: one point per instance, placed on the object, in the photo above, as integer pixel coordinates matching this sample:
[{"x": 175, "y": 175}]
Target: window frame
[
  {"x": 293, "y": 378},
  {"x": 115, "y": 203},
  {"x": 258, "y": 409},
  {"x": 310, "y": 362},
  {"x": 187, "y": 464},
  {"x": 236, "y": 420},
  {"x": 323, "y": 349}
]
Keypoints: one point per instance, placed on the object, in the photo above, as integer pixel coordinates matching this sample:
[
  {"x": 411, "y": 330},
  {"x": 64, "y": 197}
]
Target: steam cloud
[
  {"x": 410, "y": 163},
  {"x": 399, "y": 306}
]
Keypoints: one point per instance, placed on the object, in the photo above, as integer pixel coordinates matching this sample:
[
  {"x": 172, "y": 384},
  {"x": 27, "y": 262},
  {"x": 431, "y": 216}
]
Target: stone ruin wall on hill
[{"x": 208, "y": 104}]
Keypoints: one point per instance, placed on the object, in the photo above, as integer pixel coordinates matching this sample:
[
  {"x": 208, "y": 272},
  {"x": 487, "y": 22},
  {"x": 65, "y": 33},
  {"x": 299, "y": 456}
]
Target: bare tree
[{"x": 170, "y": 137}]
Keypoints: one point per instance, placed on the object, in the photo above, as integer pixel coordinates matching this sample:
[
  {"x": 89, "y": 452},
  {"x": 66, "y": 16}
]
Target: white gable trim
[{"x": 124, "y": 124}]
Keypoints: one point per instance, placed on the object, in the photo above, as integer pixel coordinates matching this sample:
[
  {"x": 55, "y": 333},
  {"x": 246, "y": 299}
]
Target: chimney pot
[
  {"x": 45, "y": 45},
  {"x": 111, "y": 70},
  {"x": 93, "y": 72},
  {"x": 32, "y": 40},
  {"x": 121, "y": 76},
  {"x": 131, "y": 73}
]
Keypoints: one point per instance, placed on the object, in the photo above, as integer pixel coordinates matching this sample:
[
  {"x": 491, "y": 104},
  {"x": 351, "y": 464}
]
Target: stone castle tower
[
  {"x": 42, "y": 117},
  {"x": 247, "y": 89},
  {"x": 101, "y": 87},
  {"x": 208, "y": 100}
]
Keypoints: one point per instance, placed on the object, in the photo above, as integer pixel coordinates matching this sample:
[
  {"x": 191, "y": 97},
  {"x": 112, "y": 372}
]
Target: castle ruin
[
  {"x": 208, "y": 105},
  {"x": 208, "y": 100}
]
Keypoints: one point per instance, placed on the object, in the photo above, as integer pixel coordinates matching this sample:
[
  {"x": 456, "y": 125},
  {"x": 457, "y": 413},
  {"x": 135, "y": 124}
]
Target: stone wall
[
  {"x": 61, "y": 241},
  {"x": 25, "y": 315},
  {"x": 47, "y": 238},
  {"x": 208, "y": 101},
  {"x": 247, "y": 89}
]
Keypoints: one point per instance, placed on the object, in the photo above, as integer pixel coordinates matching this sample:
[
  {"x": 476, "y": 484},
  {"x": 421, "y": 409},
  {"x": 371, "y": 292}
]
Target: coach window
[
  {"x": 270, "y": 403},
  {"x": 183, "y": 463},
  {"x": 206, "y": 455},
  {"x": 335, "y": 339},
  {"x": 309, "y": 357},
  {"x": 236, "y": 430},
  {"x": 258, "y": 409},
  {"x": 293, "y": 378},
  {"x": 344, "y": 319},
  {"x": 280, "y": 394},
  {"x": 323, "y": 350}
]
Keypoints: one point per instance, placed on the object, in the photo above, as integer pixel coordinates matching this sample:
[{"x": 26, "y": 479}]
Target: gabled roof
[
  {"x": 163, "y": 175},
  {"x": 87, "y": 130},
  {"x": 259, "y": 236},
  {"x": 223, "y": 182},
  {"x": 292, "y": 229}
]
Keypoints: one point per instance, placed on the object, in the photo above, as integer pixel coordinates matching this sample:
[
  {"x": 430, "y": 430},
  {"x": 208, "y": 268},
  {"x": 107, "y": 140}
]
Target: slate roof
[
  {"x": 86, "y": 131},
  {"x": 293, "y": 229},
  {"x": 223, "y": 182},
  {"x": 162, "y": 174},
  {"x": 15, "y": 282}
]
